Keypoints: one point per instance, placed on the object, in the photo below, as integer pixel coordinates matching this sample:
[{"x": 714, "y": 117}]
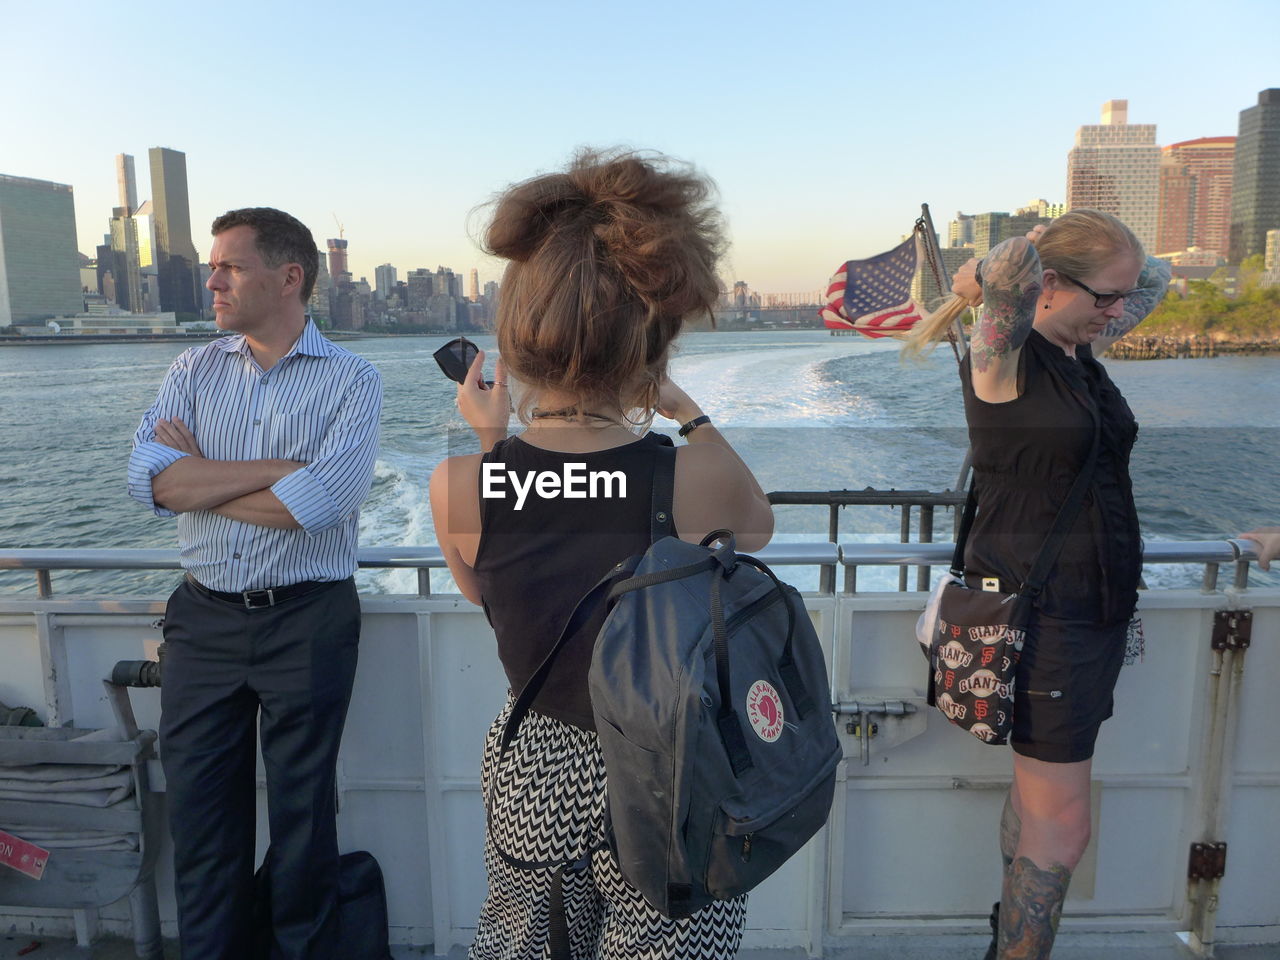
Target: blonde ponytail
[{"x": 926, "y": 334}]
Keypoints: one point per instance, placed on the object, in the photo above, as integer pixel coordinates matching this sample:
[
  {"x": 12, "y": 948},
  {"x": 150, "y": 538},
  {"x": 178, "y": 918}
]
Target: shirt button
[
  {"x": 257, "y": 423},
  {"x": 235, "y": 556}
]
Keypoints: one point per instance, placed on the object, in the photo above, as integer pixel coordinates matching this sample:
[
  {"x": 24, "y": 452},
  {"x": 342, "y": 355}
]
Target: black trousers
[{"x": 289, "y": 667}]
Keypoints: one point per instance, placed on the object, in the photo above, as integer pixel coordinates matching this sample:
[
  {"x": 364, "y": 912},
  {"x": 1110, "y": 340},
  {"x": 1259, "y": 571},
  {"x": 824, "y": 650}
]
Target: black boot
[{"x": 994, "y": 920}]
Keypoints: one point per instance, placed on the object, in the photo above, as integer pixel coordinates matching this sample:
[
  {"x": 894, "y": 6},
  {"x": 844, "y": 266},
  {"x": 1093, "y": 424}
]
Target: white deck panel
[{"x": 911, "y": 846}]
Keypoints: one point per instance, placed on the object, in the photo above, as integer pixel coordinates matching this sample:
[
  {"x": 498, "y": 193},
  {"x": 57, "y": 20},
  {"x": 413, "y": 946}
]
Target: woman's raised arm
[
  {"x": 1153, "y": 284},
  {"x": 1011, "y": 279}
]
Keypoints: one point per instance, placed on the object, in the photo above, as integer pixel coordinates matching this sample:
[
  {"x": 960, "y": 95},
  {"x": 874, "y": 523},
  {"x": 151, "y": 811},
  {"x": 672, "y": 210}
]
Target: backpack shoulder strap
[{"x": 661, "y": 521}]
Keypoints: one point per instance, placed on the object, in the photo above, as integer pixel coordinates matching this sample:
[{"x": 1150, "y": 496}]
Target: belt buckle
[{"x": 250, "y": 596}]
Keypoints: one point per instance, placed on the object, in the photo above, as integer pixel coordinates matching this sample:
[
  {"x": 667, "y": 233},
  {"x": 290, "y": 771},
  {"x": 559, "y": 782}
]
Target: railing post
[
  {"x": 1210, "y": 578},
  {"x": 904, "y": 537},
  {"x": 44, "y": 584},
  {"x": 926, "y": 536},
  {"x": 424, "y": 581},
  {"x": 1242, "y": 575},
  {"x": 827, "y": 575}
]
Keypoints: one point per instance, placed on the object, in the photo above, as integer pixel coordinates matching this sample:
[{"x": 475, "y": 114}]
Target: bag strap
[
  {"x": 790, "y": 673},
  {"x": 581, "y": 613},
  {"x": 1062, "y": 523},
  {"x": 661, "y": 519}
]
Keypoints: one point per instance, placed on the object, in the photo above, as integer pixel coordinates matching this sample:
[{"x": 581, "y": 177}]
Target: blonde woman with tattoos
[{"x": 1032, "y": 388}]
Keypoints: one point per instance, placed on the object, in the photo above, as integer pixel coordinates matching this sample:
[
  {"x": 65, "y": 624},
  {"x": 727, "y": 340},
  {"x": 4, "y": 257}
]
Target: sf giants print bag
[{"x": 975, "y": 641}]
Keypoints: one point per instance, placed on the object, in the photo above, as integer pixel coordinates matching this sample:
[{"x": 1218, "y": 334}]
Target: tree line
[{"x": 1252, "y": 314}]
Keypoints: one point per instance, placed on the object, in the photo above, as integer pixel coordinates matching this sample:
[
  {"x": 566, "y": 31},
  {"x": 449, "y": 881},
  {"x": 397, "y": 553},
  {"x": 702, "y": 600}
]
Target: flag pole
[{"x": 959, "y": 343}]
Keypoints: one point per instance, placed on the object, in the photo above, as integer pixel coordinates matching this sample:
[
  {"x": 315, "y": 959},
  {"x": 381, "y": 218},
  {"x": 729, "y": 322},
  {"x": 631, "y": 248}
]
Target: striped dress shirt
[{"x": 319, "y": 405}]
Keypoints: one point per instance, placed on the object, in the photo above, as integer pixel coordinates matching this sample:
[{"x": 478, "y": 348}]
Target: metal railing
[
  {"x": 925, "y": 501},
  {"x": 827, "y": 556}
]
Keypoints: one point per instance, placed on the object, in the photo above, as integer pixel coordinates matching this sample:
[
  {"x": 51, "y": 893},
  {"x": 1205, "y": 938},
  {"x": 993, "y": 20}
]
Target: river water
[{"x": 807, "y": 411}]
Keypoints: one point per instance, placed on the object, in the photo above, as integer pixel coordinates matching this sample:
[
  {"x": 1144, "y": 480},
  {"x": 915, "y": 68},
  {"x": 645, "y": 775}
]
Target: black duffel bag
[{"x": 362, "y": 910}]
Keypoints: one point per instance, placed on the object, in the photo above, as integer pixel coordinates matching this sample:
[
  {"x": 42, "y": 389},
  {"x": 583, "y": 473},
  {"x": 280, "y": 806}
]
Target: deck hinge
[
  {"x": 1208, "y": 861},
  {"x": 1232, "y": 629}
]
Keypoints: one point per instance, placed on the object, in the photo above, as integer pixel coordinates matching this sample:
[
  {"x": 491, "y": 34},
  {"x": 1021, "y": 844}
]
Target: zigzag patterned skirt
[{"x": 548, "y": 804}]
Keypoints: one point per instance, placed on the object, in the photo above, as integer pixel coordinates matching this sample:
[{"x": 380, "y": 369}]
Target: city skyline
[{"x": 819, "y": 156}]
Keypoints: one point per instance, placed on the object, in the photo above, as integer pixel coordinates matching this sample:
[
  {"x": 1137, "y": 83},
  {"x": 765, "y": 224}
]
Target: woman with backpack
[
  {"x": 1040, "y": 410},
  {"x": 607, "y": 260}
]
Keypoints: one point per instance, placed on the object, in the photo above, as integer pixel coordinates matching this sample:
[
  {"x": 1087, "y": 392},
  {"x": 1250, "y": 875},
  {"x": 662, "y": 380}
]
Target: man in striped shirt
[{"x": 263, "y": 444}]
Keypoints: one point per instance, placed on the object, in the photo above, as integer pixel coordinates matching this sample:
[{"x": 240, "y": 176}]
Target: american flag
[{"x": 873, "y": 296}]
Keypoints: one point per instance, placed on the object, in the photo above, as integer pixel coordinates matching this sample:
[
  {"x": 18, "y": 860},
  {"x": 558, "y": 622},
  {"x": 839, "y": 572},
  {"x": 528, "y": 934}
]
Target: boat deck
[{"x": 1120, "y": 947}]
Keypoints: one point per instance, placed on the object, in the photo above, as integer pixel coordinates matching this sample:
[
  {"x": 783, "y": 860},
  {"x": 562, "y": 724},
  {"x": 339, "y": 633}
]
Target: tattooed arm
[
  {"x": 1011, "y": 281},
  {"x": 1153, "y": 283}
]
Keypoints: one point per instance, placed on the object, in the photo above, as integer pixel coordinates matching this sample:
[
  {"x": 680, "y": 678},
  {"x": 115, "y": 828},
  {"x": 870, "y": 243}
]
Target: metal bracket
[
  {"x": 1232, "y": 629},
  {"x": 883, "y": 716},
  {"x": 1208, "y": 861}
]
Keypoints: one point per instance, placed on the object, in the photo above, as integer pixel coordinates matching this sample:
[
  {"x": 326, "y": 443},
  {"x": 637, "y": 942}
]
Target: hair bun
[
  {"x": 608, "y": 258},
  {"x": 647, "y": 216},
  {"x": 528, "y": 212}
]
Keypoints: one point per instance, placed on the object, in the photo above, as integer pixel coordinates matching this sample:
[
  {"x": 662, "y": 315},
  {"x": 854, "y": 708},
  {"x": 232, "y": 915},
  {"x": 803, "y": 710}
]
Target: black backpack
[
  {"x": 712, "y": 706},
  {"x": 362, "y": 910}
]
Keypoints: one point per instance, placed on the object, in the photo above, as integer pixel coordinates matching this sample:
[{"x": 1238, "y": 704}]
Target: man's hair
[{"x": 280, "y": 239}]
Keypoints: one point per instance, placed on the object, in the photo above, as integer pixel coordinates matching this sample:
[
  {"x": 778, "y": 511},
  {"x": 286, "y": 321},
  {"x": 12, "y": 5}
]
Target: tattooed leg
[
  {"x": 1030, "y": 908},
  {"x": 1010, "y": 829}
]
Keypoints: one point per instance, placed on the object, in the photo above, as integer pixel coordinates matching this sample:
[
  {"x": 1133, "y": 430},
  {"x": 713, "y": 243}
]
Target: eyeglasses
[{"x": 1099, "y": 299}]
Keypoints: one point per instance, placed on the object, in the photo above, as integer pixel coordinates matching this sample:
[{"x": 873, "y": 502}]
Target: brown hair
[
  {"x": 1078, "y": 243},
  {"x": 279, "y": 239},
  {"x": 608, "y": 259}
]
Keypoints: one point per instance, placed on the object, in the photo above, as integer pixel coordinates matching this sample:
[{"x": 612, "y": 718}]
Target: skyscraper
[
  {"x": 1195, "y": 195},
  {"x": 960, "y": 230},
  {"x": 384, "y": 276},
  {"x": 988, "y": 230},
  {"x": 448, "y": 283},
  {"x": 1115, "y": 167},
  {"x": 1255, "y": 194},
  {"x": 473, "y": 286},
  {"x": 176, "y": 260},
  {"x": 39, "y": 269},
  {"x": 318, "y": 305},
  {"x": 125, "y": 267},
  {"x": 145, "y": 216},
  {"x": 338, "y": 271},
  {"x": 126, "y": 183},
  {"x": 421, "y": 287}
]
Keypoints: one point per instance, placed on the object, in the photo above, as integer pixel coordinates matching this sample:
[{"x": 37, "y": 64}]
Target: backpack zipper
[
  {"x": 746, "y": 848},
  {"x": 772, "y": 597}
]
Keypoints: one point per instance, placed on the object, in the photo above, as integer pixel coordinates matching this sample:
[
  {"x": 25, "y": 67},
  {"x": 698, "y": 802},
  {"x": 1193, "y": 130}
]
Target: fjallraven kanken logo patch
[{"x": 764, "y": 710}]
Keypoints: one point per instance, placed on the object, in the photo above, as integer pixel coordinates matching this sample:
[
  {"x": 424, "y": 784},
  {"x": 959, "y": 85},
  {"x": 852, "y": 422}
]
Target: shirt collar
[{"x": 310, "y": 343}]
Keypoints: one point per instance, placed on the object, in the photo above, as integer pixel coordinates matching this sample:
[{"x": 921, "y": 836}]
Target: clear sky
[{"x": 824, "y": 124}]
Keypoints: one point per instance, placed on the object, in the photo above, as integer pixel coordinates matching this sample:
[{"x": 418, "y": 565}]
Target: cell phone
[{"x": 455, "y": 359}]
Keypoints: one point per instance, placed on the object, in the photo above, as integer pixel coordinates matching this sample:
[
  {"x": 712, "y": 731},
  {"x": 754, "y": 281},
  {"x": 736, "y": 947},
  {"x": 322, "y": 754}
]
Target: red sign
[{"x": 22, "y": 856}]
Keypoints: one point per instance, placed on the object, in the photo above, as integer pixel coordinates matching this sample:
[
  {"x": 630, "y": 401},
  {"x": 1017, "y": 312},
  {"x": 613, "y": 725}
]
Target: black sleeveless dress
[
  {"x": 1026, "y": 454},
  {"x": 538, "y": 557}
]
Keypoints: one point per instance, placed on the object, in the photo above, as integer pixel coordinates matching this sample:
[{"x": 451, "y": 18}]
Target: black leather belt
[{"x": 266, "y": 597}]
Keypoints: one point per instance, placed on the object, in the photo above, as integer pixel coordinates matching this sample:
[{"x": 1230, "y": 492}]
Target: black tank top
[
  {"x": 1026, "y": 453},
  {"x": 535, "y": 563}
]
